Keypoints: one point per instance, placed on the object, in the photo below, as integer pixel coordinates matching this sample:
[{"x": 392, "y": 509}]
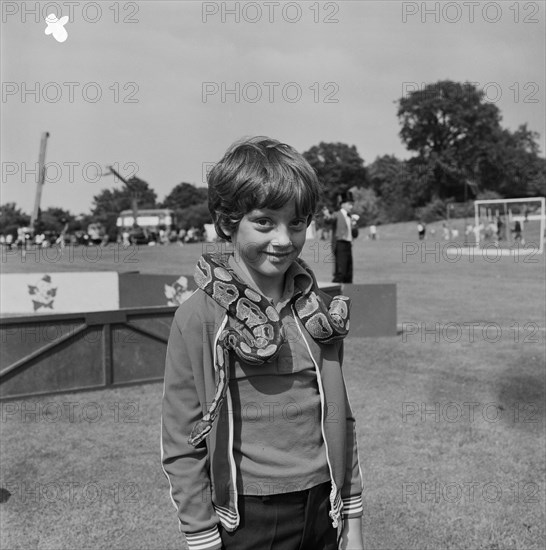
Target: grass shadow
[{"x": 523, "y": 396}]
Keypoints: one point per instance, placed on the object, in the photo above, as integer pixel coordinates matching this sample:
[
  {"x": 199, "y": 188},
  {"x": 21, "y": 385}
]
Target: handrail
[{"x": 117, "y": 367}]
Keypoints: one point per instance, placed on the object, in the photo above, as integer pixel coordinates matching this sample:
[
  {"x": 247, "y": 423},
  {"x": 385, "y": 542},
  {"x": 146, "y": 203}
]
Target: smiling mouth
[{"x": 279, "y": 254}]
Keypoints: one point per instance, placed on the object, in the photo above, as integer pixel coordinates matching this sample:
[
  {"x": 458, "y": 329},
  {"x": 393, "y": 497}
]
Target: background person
[
  {"x": 421, "y": 230},
  {"x": 342, "y": 239}
]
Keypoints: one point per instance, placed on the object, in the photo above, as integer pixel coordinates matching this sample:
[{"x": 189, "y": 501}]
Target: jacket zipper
[
  {"x": 333, "y": 492},
  {"x": 231, "y": 459}
]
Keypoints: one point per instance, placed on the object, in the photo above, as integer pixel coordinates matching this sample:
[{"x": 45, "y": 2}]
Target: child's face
[{"x": 268, "y": 241}]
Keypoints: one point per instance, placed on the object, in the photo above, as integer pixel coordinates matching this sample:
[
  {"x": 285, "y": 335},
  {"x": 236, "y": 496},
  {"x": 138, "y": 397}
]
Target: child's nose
[{"x": 281, "y": 237}]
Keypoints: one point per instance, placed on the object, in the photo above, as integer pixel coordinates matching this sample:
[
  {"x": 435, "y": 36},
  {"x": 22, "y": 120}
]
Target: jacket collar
[{"x": 296, "y": 280}]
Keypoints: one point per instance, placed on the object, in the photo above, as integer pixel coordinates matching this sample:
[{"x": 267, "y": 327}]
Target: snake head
[{"x": 199, "y": 432}]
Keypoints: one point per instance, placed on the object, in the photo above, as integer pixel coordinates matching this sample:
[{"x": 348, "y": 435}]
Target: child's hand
[{"x": 351, "y": 535}]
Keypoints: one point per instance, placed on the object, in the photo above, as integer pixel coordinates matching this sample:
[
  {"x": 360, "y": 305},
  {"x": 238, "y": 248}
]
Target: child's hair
[{"x": 260, "y": 172}]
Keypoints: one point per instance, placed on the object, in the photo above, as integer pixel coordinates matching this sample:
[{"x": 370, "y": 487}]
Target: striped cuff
[
  {"x": 228, "y": 518},
  {"x": 352, "y": 506},
  {"x": 204, "y": 540}
]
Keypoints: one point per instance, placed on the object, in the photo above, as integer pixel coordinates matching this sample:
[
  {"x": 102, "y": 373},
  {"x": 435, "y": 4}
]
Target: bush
[
  {"x": 433, "y": 211},
  {"x": 400, "y": 211},
  {"x": 461, "y": 209},
  {"x": 194, "y": 216}
]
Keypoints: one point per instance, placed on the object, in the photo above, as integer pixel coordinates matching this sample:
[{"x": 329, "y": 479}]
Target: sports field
[{"x": 450, "y": 413}]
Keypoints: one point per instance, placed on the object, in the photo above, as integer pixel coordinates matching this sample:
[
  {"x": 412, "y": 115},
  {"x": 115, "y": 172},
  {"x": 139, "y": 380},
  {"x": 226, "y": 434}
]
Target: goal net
[{"x": 509, "y": 226}]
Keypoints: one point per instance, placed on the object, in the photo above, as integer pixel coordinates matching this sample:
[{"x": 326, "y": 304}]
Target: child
[{"x": 258, "y": 438}]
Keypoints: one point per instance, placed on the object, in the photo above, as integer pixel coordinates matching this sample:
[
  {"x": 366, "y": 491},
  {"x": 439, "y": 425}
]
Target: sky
[{"x": 161, "y": 89}]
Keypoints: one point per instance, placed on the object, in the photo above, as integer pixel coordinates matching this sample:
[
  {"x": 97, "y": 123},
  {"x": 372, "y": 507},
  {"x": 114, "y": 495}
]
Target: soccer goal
[{"x": 508, "y": 226}]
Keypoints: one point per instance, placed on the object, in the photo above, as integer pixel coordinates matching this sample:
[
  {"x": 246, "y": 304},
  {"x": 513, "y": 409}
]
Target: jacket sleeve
[
  {"x": 351, "y": 492},
  {"x": 186, "y": 467}
]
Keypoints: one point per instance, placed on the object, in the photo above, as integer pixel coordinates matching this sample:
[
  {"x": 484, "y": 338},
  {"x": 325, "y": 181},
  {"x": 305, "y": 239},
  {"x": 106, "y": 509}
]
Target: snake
[{"x": 259, "y": 336}]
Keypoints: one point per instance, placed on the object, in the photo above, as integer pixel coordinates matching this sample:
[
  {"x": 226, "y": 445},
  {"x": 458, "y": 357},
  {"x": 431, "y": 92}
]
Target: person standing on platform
[{"x": 342, "y": 239}]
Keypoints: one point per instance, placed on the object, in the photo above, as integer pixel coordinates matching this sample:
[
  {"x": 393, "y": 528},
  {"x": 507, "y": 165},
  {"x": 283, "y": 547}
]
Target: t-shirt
[{"x": 278, "y": 445}]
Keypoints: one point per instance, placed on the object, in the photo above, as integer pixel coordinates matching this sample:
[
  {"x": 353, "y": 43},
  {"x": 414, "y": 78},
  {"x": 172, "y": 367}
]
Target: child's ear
[
  {"x": 225, "y": 229},
  {"x": 227, "y": 232}
]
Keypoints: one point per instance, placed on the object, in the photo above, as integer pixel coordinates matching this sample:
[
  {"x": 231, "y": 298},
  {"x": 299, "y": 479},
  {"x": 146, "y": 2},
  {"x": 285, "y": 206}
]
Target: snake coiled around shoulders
[{"x": 263, "y": 337}]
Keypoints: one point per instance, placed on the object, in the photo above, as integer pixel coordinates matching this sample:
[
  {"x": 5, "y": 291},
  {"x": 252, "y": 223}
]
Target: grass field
[{"x": 450, "y": 414}]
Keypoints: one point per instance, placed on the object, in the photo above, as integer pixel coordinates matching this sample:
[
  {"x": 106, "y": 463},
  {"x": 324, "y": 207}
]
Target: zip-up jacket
[{"x": 203, "y": 479}]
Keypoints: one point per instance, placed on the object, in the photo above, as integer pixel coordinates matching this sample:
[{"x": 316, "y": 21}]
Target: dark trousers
[
  {"x": 344, "y": 262},
  {"x": 290, "y": 521}
]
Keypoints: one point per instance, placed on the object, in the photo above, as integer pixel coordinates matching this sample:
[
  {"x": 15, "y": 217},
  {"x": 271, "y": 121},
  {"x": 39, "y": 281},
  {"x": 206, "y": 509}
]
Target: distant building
[{"x": 150, "y": 219}]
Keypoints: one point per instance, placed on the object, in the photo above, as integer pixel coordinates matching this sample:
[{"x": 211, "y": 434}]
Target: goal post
[{"x": 511, "y": 226}]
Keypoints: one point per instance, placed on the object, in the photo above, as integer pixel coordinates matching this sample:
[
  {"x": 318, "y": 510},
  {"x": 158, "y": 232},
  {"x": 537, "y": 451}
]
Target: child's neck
[
  {"x": 272, "y": 289},
  {"x": 275, "y": 297},
  {"x": 273, "y": 292}
]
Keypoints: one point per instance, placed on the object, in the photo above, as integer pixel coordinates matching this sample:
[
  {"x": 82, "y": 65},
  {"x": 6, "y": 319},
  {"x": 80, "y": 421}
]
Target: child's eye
[
  {"x": 263, "y": 222},
  {"x": 299, "y": 223}
]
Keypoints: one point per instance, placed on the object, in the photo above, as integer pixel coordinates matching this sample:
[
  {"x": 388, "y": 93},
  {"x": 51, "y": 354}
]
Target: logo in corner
[{"x": 56, "y": 27}]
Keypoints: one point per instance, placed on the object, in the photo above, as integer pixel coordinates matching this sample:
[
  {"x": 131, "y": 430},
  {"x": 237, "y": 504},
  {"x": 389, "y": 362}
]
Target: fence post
[{"x": 107, "y": 355}]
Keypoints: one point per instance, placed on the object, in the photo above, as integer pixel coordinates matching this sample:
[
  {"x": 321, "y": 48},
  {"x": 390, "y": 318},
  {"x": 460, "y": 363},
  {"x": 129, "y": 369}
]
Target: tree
[
  {"x": 115, "y": 201},
  {"x": 535, "y": 186},
  {"x": 108, "y": 204},
  {"x": 400, "y": 185},
  {"x": 54, "y": 219},
  {"x": 11, "y": 218},
  {"x": 449, "y": 125},
  {"x": 196, "y": 216},
  {"x": 190, "y": 204},
  {"x": 511, "y": 165},
  {"x": 339, "y": 167},
  {"x": 366, "y": 206},
  {"x": 184, "y": 195},
  {"x": 383, "y": 170}
]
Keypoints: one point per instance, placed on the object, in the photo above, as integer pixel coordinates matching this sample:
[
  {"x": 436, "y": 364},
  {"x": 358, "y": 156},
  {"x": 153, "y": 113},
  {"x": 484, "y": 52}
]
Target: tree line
[{"x": 460, "y": 150}]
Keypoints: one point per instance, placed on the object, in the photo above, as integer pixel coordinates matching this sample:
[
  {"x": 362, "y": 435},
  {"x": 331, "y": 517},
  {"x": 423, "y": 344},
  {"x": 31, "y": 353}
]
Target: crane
[
  {"x": 134, "y": 193},
  {"x": 40, "y": 183}
]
